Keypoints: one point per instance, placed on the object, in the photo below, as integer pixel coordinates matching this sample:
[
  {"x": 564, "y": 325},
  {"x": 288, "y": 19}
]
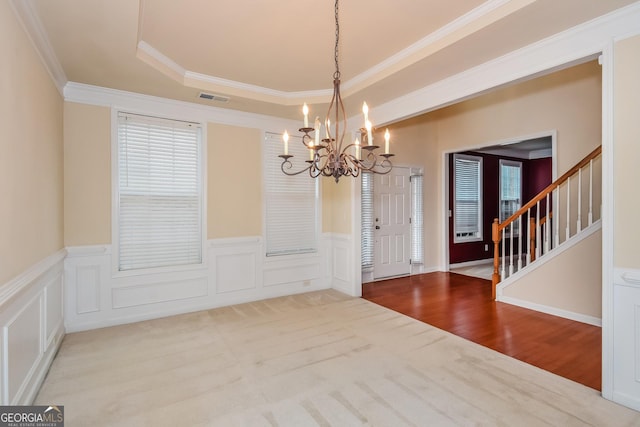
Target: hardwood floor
[{"x": 462, "y": 305}]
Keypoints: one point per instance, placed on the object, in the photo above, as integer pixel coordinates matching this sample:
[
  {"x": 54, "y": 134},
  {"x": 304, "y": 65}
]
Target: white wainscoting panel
[
  {"x": 32, "y": 329},
  {"x": 53, "y": 309},
  {"x": 157, "y": 292},
  {"x": 23, "y": 332},
  {"x": 342, "y": 265},
  {"x": 236, "y": 271},
  {"x": 87, "y": 280},
  {"x": 626, "y": 332}
]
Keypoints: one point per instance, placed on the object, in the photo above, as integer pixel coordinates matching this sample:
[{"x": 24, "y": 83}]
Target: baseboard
[{"x": 578, "y": 317}]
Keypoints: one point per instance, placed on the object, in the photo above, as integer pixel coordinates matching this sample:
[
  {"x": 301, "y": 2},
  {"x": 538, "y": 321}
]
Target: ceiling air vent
[{"x": 213, "y": 97}]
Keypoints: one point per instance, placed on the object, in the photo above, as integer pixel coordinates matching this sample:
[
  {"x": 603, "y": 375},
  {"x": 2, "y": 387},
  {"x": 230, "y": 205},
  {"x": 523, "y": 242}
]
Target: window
[
  {"x": 367, "y": 220},
  {"x": 291, "y": 201},
  {"x": 467, "y": 209},
  {"x": 417, "y": 228},
  {"x": 158, "y": 193},
  {"x": 510, "y": 189}
]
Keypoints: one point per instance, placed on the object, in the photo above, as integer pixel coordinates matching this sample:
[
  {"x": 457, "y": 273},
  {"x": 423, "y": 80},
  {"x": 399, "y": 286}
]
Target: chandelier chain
[
  {"x": 328, "y": 156},
  {"x": 336, "y": 75}
]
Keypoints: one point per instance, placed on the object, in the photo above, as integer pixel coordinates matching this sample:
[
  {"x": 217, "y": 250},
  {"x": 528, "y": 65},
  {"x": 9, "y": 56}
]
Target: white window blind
[
  {"x": 417, "y": 220},
  {"x": 291, "y": 201},
  {"x": 159, "y": 199},
  {"x": 467, "y": 210},
  {"x": 367, "y": 220},
  {"x": 510, "y": 191},
  {"x": 510, "y": 188}
]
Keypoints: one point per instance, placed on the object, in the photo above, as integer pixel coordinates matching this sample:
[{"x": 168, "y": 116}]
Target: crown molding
[
  {"x": 571, "y": 47},
  {"x": 435, "y": 41},
  {"x": 30, "y": 21},
  {"x": 169, "y": 67},
  {"x": 135, "y": 102},
  {"x": 477, "y": 18}
]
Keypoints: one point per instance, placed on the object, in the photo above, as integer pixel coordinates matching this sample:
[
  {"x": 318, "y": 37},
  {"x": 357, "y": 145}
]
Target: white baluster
[
  {"x": 557, "y": 219},
  {"x": 547, "y": 228},
  {"x": 528, "y": 241},
  {"x": 503, "y": 272},
  {"x": 579, "y": 221},
  {"x": 538, "y": 245},
  {"x": 590, "y": 192},
  {"x": 510, "y": 249},
  {"x": 568, "y": 231},
  {"x": 520, "y": 242}
]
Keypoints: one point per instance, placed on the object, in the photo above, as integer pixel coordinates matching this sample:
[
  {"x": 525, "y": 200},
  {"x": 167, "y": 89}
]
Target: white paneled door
[{"x": 392, "y": 228}]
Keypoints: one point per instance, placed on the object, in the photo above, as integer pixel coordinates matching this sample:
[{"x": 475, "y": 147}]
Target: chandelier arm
[
  {"x": 331, "y": 157},
  {"x": 287, "y": 163}
]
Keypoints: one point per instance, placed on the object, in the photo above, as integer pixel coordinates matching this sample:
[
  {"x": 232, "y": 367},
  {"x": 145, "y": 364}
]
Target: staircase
[{"x": 558, "y": 215}]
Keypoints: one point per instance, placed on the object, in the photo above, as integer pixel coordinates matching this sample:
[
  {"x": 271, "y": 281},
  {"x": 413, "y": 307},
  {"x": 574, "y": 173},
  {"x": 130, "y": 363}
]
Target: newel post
[{"x": 495, "y": 279}]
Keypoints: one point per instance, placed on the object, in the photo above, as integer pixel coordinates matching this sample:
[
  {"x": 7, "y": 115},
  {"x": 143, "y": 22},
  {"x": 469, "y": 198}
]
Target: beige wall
[
  {"x": 234, "y": 196},
  {"x": 576, "y": 284},
  {"x": 87, "y": 174},
  {"x": 336, "y": 205},
  {"x": 414, "y": 143},
  {"x": 567, "y": 101},
  {"x": 626, "y": 152},
  {"x": 31, "y": 213},
  {"x": 234, "y": 205}
]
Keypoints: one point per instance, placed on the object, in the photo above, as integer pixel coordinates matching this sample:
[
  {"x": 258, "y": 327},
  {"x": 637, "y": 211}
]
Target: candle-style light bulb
[
  {"x": 316, "y": 129},
  {"x": 305, "y": 111},
  {"x": 357, "y": 148},
  {"x": 326, "y": 128},
  {"x": 386, "y": 141},
  {"x": 365, "y": 111},
  {"x": 285, "y": 138},
  {"x": 367, "y": 125}
]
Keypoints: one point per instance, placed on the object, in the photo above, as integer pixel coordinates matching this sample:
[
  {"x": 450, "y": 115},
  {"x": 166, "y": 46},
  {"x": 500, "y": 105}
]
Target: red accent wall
[{"x": 536, "y": 175}]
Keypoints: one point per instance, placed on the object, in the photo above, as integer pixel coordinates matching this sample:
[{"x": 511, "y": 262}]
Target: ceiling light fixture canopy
[{"x": 330, "y": 156}]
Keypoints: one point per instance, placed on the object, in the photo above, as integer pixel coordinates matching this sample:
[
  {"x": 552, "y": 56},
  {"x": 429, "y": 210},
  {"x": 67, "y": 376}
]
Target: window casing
[
  {"x": 158, "y": 193},
  {"x": 510, "y": 190},
  {"x": 467, "y": 198},
  {"x": 291, "y": 202}
]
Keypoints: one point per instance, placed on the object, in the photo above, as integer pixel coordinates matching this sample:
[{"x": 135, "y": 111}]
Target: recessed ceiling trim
[
  {"x": 474, "y": 20},
  {"x": 169, "y": 67}
]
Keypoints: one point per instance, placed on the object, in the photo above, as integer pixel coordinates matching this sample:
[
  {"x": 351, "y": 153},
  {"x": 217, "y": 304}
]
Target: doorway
[
  {"x": 480, "y": 192},
  {"x": 392, "y": 223}
]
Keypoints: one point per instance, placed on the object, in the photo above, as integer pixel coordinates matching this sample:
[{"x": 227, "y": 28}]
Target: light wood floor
[
  {"x": 462, "y": 305},
  {"x": 314, "y": 359}
]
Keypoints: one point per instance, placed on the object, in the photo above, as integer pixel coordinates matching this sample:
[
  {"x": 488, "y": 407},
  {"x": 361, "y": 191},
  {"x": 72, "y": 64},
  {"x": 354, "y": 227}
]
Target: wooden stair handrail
[
  {"x": 541, "y": 195},
  {"x": 497, "y": 226}
]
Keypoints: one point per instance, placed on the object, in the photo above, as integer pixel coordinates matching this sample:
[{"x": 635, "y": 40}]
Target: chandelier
[{"x": 331, "y": 156}]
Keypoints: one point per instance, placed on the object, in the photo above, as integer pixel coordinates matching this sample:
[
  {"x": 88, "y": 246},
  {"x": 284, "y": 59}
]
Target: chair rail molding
[{"x": 32, "y": 328}]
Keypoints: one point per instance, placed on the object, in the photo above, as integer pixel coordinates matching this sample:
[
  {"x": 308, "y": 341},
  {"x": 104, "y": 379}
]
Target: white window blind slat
[
  {"x": 159, "y": 193},
  {"x": 291, "y": 201}
]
